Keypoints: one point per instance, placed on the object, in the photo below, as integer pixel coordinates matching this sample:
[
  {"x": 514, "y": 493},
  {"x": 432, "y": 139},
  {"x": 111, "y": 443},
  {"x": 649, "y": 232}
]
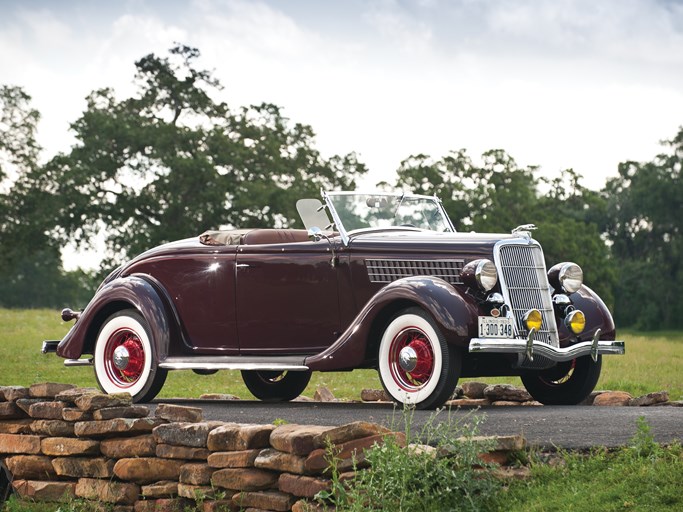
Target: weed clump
[{"x": 440, "y": 469}]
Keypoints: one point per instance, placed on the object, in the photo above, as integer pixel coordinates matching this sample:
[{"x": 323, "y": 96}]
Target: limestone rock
[
  {"x": 129, "y": 426},
  {"x": 650, "y": 399},
  {"x": 46, "y": 410},
  {"x": 185, "y": 434},
  {"x": 280, "y": 461},
  {"x": 78, "y": 467},
  {"x": 145, "y": 470},
  {"x": 239, "y": 459},
  {"x": 618, "y": 398},
  {"x": 506, "y": 392},
  {"x": 244, "y": 479},
  {"x": 264, "y": 500},
  {"x": 121, "y": 448},
  {"x": 20, "y": 444},
  {"x": 21, "y": 426},
  {"x": 95, "y": 401},
  {"x": 196, "y": 492},
  {"x": 196, "y": 474},
  {"x": 474, "y": 389},
  {"x": 164, "y": 489},
  {"x": 48, "y": 389},
  {"x": 218, "y": 396},
  {"x": 349, "y": 453},
  {"x": 303, "y": 486},
  {"x": 107, "y": 491},
  {"x": 178, "y": 413},
  {"x": 73, "y": 414},
  {"x": 30, "y": 467},
  {"x": 25, "y": 403},
  {"x": 53, "y": 428},
  {"x": 44, "y": 491},
  {"x": 590, "y": 398},
  {"x": 12, "y": 393},
  {"x": 468, "y": 402},
  {"x": 297, "y": 439},
  {"x": 169, "y": 451},
  {"x": 128, "y": 411},
  {"x": 348, "y": 432},
  {"x": 323, "y": 394},
  {"x": 10, "y": 411},
  {"x": 70, "y": 395},
  {"x": 374, "y": 395},
  {"x": 237, "y": 436},
  {"x": 67, "y": 447}
]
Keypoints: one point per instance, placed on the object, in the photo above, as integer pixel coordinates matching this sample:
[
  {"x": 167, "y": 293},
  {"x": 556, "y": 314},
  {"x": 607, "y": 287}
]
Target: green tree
[
  {"x": 645, "y": 222},
  {"x": 499, "y": 195},
  {"x": 172, "y": 161},
  {"x": 31, "y": 272}
]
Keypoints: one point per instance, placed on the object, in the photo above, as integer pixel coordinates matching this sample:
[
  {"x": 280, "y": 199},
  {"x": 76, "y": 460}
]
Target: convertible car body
[{"x": 375, "y": 281}]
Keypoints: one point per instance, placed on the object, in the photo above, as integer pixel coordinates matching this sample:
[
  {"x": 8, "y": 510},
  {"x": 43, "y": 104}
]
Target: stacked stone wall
[{"x": 60, "y": 443}]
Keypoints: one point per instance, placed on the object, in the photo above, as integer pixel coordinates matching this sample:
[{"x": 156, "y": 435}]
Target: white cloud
[{"x": 556, "y": 83}]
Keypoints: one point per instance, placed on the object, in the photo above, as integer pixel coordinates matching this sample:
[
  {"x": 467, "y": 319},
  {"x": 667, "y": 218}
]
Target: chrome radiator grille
[
  {"x": 387, "y": 271},
  {"x": 525, "y": 286}
]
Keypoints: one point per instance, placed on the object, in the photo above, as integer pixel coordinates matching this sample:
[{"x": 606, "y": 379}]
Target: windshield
[{"x": 384, "y": 211}]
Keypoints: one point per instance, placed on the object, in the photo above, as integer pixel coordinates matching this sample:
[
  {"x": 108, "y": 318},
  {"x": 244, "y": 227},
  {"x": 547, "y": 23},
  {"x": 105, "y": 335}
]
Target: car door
[{"x": 286, "y": 298}]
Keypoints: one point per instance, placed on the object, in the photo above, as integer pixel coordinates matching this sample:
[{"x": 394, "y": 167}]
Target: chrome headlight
[
  {"x": 480, "y": 274},
  {"x": 566, "y": 276}
]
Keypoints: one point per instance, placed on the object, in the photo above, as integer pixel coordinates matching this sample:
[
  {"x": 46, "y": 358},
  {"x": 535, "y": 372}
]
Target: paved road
[{"x": 547, "y": 427}]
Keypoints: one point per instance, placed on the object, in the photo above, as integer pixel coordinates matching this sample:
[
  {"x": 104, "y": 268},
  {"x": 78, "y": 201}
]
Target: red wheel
[
  {"x": 416, "y": 365},
  {"x": 124, "y": 357}
]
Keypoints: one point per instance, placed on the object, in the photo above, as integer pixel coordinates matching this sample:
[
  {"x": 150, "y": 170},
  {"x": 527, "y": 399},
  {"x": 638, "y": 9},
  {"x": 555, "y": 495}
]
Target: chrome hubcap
[
  {"x": 407, "y": 359},
  {"x": 121, "y": 357}
]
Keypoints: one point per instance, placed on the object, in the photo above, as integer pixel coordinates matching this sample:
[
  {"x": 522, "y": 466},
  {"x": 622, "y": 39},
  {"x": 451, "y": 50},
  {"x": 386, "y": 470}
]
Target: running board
[{"x": 285, "y": 363}]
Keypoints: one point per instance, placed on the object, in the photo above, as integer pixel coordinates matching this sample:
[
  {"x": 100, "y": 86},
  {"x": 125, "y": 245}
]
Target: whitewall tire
[
  {"x": 416, "y": 365},
  {"x": 124, "y": 357}
]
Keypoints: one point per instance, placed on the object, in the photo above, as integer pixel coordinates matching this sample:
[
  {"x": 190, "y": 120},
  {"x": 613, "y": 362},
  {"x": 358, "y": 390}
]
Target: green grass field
[{"x": 653, "y": 362}]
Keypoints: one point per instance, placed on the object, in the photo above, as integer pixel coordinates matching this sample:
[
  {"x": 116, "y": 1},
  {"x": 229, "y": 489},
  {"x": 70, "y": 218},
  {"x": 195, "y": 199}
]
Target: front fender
[
  {"x": 133, "y": 291},
  {"x": 454, "y": 312},
  {"x": 597, "y": 314}
]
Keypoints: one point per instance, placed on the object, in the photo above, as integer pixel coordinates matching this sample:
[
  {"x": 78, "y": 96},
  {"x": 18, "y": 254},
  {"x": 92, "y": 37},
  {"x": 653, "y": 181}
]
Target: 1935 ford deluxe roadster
[{"x": 375, "y": 281}]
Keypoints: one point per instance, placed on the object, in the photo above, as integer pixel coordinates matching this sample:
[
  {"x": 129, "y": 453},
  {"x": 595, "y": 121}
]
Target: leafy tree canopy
[
  {"x": 497, "y": 195},
  {"x": 172, "y": 160},
  {"x": 645, "y": 226}
]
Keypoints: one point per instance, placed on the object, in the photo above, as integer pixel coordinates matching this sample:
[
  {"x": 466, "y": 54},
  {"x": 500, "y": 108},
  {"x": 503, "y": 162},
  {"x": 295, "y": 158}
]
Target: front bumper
[{"x": 531, "y": 348}]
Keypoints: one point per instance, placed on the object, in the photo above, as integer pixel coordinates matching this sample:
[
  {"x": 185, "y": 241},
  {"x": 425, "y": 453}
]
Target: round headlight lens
[
  {"x": 570, "y": 277},
  {"x": 486, "y": 275},
  {"x": 576, "y": 321},
  {"x": 533, "y": 320}
]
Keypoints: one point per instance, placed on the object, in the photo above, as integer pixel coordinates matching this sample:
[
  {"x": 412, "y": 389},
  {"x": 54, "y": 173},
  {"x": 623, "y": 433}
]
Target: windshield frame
[{"x": 347, "y": 234}]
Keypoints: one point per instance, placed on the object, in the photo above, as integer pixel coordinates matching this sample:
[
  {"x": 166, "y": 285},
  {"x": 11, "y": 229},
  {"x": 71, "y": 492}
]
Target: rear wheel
[
  {"x": 567, "y": 383},
  {"x": 275, "y": 385},
  {"x": 416, "y": 365},
  {"x": 125, "y": 360}
]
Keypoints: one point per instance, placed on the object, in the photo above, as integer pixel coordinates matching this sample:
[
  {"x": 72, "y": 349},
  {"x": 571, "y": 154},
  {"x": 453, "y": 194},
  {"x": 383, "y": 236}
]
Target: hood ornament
[{"x": 524, "y": 230}]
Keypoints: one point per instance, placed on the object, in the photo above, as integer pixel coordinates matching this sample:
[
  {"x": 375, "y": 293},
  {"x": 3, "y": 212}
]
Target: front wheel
[
  {"x": 124, "y": 357},
  {"x": 275, "y": 385},
  {"x": 416, "y": 365},
  {"x": 567, "y": 383}
]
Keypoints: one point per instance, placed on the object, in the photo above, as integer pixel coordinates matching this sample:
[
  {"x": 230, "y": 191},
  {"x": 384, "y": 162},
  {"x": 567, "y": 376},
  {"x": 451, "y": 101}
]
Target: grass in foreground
[
  {"x": 643, "y": 476},
  {"x": 652, "y": 363}
]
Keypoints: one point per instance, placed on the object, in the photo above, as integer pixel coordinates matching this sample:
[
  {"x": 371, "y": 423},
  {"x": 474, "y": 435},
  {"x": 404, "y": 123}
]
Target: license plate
[{"x": 492, "y": 327}]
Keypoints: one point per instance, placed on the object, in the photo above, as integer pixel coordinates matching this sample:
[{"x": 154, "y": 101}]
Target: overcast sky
[{"x": 559, "y": 84}]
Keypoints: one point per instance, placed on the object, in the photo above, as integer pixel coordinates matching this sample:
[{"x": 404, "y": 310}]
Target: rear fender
[
  {"x": 454, "y": 312},
  {"x": 135, "y": 291}
]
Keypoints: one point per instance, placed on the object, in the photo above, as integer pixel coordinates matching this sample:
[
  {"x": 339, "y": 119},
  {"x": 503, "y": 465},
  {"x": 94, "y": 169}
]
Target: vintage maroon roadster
[{"x": 375, "y": 281}]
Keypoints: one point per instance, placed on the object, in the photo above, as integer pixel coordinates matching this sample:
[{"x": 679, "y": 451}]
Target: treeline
[{"x": 172, "y": 161}]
